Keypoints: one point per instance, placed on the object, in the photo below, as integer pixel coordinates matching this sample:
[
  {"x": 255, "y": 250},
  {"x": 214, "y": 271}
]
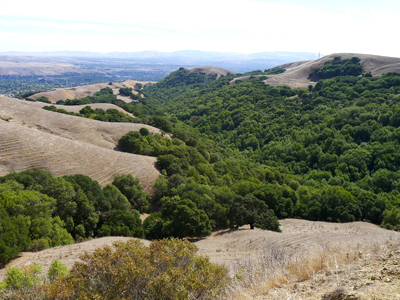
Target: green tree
[
  {"x": 252, "y": 211},
  {"x": 182, "y": 218},
  {"x": 132, "y": 190}
]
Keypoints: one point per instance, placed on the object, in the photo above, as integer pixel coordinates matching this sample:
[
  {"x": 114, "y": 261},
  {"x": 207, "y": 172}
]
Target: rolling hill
[
  {"x": 297, "y": 73},
  {"x": 211, "y": 71},
  {"x": 77, "y": 108},
  {"x": 62, "y": 144},
  {"x": 87, "y": 90},
  {"x": 262, "y": 251}
]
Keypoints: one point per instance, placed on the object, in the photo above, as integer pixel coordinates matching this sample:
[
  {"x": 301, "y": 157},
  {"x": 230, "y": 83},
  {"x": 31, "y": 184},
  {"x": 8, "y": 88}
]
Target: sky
[{"x": 247, "y": 26}]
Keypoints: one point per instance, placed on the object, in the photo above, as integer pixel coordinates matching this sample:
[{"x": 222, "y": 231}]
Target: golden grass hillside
[
  {"x": 296, "y": 74},
  {"x": 31, "y": 137},
  {"x": 268, "y": 265},
  {"x": 77, "y": 108},
  {"x": 211, "y": 71},
  {"x": 31, "y": 114},
  {"x": 87, "y": 90},
  {"x": 306, "y": 261}
]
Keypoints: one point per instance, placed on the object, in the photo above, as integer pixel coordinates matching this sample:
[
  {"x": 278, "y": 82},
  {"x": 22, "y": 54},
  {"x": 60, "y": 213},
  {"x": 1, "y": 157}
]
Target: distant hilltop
[{"x": 296, "y": 74}]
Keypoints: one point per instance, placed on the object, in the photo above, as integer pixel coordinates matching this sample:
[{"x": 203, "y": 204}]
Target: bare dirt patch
[{"x": 371, "y": 276}]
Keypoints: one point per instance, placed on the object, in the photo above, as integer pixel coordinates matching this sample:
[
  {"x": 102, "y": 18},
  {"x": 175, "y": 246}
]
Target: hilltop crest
[
  {"x": 211, "y": 71},
  {"x": 297, "y": 73}
]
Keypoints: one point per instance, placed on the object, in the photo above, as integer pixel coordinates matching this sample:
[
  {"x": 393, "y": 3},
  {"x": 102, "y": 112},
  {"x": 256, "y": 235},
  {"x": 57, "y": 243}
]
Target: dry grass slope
[
  {"x": 296, "y": 75},
  {"x": 68, "y": 255},
  {"x": 23, "y": 148},
  {"x": 102, "y": 134},
  {"x": 308, "y": 260},
  {"x": 77, "y": 108},
  {"x": 31, "y": 137},
  {"x": 211, "y": 71},
  {"x": 87, "y": 90},
  {"x": 270, "y": 265}
]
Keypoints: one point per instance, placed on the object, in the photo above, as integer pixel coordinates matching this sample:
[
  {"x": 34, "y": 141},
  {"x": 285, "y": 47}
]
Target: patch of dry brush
[{"x": 330, "y": 273}]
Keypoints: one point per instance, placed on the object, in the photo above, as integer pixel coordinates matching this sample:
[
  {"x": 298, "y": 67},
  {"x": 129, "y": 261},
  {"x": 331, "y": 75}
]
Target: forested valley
[{"x": 230, "y": 155}]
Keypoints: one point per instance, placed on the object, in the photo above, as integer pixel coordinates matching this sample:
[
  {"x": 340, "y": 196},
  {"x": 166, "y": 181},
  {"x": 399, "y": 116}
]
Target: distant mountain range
[{"x": 238, "y": 62}]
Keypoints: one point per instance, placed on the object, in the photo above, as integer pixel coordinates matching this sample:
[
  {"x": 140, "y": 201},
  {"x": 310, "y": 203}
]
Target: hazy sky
[{"x": 249, "y": 26}]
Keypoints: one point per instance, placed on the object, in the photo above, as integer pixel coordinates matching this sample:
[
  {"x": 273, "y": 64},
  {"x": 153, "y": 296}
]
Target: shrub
[
  {"x": 19, "y": 280},
  {"x": 56, "y": 269},
  {"x": 168, "y": 269}
]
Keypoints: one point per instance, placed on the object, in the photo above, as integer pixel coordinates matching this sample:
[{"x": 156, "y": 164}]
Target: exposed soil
[{"x": 374, "y": 276}]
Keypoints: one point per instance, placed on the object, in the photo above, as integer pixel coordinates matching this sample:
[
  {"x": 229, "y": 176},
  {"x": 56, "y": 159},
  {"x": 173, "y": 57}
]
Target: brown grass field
[
  {"x": 296, "y": 74},
  {"x": 77, "y": 108},
  {"x": 87, "y": 90},
  {"x": 308, "y": 260},
  {"x": 61, "y": 144},
  {"x": 210, "y": 71}
]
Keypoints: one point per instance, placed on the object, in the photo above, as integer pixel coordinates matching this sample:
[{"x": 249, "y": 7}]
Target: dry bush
[
  {"x": 167, "y": 269},
  {"x": 279, "y": 266}
]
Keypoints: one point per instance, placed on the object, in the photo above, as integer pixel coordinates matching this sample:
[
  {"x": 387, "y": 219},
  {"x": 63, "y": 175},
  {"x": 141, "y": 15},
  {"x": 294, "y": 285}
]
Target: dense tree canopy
[
  {"x": 327, "y": 153},
  {"x": 39, "y": 211}
]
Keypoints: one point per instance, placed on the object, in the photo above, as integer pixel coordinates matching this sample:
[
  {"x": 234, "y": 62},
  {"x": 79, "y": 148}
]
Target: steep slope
[
  {"x": 23, "y": 148},
  {"x": 296, "y": 74},
  {"x": 31, "y": 137},
  {"x": 102, "y": 134}
]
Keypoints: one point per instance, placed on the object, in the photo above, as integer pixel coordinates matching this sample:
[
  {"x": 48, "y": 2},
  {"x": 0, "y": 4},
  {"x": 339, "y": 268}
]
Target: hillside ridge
[
  {"x": 296, "y": 74},
  {"x": 65, "y": 145}
]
